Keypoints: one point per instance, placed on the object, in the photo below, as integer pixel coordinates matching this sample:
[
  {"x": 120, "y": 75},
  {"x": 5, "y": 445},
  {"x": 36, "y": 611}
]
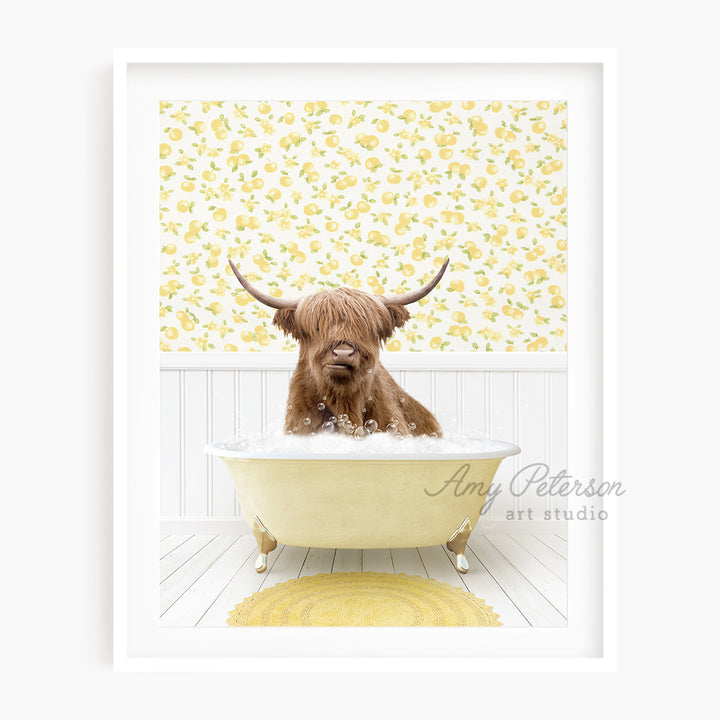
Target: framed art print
[{"x": 364, "y": 360}]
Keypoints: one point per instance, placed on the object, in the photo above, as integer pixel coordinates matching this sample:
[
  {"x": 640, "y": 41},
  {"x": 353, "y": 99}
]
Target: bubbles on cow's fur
[
  {"x": 307, "y": 421},
  {"x": 411, "y": 426},
  {"x": 371, "y": 426},
  {"x": 364, "y": 410},
  {"x": 289, "y": 407},
  {"x": 321, "y": 406},
  {"x": 360, "y": 432},
  {"x": 370, "y": 399},
  {"x": 324, "y": 397},
  {"x": 328, "y": 427}
]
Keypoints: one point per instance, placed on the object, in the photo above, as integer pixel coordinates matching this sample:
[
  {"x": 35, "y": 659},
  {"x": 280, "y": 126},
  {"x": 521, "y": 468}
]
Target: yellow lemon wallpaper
[{"x": 374, "y": 195}]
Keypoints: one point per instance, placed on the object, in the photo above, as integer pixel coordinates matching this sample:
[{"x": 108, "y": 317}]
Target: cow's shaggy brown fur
[{"x": 340, "y": 333}]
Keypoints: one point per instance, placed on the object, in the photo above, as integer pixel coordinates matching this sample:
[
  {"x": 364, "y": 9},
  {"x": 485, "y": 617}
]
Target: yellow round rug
[{"x": 362, "y": 599}]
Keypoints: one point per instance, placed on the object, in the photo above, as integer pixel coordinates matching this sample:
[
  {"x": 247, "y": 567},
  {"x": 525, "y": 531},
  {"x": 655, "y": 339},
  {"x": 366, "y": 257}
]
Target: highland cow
[{"x": 339, "y": 383}]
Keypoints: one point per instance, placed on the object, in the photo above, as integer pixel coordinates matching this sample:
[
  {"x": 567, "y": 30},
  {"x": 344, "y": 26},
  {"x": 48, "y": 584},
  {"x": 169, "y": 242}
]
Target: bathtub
[{"x": 386, "y": 500}]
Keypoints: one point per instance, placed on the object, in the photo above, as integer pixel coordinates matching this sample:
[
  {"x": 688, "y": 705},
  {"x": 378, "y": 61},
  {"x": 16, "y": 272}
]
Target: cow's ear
[
  {"x": 285, "y": 320},
  {"x": 399, "y": 315}
]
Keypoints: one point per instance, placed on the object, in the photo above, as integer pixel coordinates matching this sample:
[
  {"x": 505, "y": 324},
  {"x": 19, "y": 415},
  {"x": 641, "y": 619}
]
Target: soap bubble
[
  {"x": 402, "y": 399},
  {"x": 328, "y": 427},
  {"x": 364, "y": 410},
  {"x": 307, "y": 421},
  {"x": 370, "y": 399},
  {"x": 321, "y": 406},
  {"x": 411, "y": 426},
  {"x": 371, "y": 425},
  {"x": 324, "y": 397},
  {"x": 289, "y": 407},
  {"x": 360, "y": 432},
  {"x": 333, "y": 419}
]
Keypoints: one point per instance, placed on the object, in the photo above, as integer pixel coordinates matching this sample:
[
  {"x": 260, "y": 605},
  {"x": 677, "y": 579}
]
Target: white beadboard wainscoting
[{"x": 517, "y": 397}]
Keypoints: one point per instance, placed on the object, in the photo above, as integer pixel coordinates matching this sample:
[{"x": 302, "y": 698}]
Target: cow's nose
[{"x": 343, "y": 352}]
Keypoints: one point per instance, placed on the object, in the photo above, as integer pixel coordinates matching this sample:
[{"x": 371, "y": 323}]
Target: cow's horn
[
  {"x": 264, "y": 298},
  {"x": 415, "y": 295}
]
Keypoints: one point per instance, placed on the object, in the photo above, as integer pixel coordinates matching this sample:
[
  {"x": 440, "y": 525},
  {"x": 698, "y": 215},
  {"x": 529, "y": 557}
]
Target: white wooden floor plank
[
  {"x": 348, "y": 560},
  {"x": 484, "y": 586},
  {"x": 522, "y": 577},
  {"x": 439, "y": 566},
  {"x": 544, "y": 580},
  {"x": 176, "y": 584},
  {"x": 187, "y": 610},
  {"x": 531, "y": 603},
  {"x": 377, "y": 560},
  {"x": 318, "y": 561},
  {"x": 182, "y": 554},
  {"x": 244, "y": 583},
  {"x": 553, "y": 541},
  {"x": 407, "y": 560},
  {"x": 547, "y": 556},
  {"x": 287, "y": 566},
  {"x": 171, "y": 542}
]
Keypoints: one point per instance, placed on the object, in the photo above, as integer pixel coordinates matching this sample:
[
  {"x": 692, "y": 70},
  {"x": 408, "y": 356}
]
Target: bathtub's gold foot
[
  {"x": 457, "y": 543},
  {"x": 266, "y": 543}
]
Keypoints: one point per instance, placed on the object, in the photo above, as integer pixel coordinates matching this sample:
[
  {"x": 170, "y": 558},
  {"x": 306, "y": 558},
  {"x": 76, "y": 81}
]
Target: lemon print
[{"x": 310, "y": 194}]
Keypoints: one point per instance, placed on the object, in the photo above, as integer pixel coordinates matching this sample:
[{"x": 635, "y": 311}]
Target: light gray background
[{"x": 57, "y": 350}]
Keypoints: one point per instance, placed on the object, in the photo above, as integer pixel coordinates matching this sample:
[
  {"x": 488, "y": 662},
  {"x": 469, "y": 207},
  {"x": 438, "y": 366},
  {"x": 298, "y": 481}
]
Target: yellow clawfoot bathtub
[{"x": 363, "y": 501}]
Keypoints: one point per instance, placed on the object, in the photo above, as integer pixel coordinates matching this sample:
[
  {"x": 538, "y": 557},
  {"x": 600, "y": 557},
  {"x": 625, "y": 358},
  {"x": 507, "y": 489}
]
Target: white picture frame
[{"x": 586, "y": 78}]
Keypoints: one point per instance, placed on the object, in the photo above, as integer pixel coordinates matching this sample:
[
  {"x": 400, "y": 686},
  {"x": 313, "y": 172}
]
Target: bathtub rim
[{"x": 507, "y": 449}]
